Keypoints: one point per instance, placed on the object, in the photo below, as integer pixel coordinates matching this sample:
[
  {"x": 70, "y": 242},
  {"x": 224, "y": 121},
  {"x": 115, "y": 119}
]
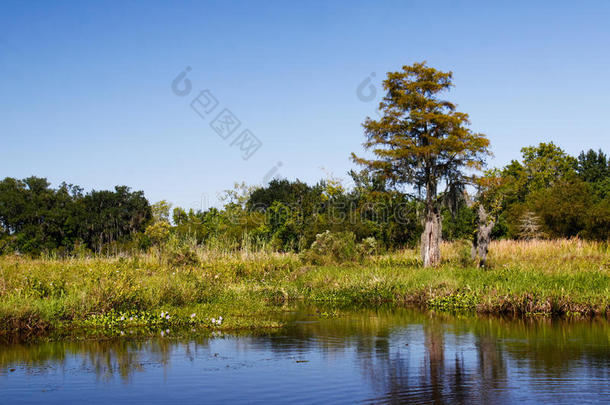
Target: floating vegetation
[{"x": 455, "y": 301}]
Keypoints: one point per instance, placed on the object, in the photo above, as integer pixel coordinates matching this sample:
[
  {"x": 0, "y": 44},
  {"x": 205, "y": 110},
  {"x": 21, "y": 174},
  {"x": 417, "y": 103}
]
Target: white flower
[
  {"x": 131, "y": 318},
  {"x": 193, "y": 315},
  {"x": 167, "y": 317},
  {"x": 213, "y": 320},
  {"x": 220, "y": 318},
  {"x": 123, "y": 318}
]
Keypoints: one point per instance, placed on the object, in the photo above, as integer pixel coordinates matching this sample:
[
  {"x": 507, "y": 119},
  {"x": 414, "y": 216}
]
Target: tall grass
[{"x": 549, "y": 277}]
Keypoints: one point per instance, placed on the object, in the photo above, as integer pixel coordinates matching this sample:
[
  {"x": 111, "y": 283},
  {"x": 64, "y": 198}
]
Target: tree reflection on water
[{"x": 399, "y": 355}]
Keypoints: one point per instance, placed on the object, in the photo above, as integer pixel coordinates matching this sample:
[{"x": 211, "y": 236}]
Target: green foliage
[
  {"x": 181, "y": 252},
  {"x": 158, "y": 233},
  {"x": 35, "y": 218},
  {"x": 332, "y": 247},
  {"x": 571, "y": 197},
  {"x": 179, "y": 216},
  {"x": 339, "y": 247},
  {"x": 545, "y": 165},
  {"x": 117, "y": 320},
  {"x": 598, "y": 221},
  {"x": 283, "y": 191},
  {"x": 422, "y": 141},
  {"x": 368, "y": 247},
  {"x": 550, "y": 277},
  {"x": 568, "y": 195},
  {"x": 300, "y": 212},
  {"x": 564, "y": 208},
  {"x": 160, "y": 211},
  {"x": 454, "y": 301},
  {"x": 459, "y": 224},
  {"x": 593, "y": 167}
]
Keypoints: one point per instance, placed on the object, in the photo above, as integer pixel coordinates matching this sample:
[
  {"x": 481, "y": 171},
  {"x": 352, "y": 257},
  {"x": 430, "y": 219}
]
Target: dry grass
[{"x": 551, "y": 277}]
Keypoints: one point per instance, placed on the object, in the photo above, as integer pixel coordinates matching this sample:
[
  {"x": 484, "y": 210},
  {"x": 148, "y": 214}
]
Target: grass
[{"x": 250, "y": 290}]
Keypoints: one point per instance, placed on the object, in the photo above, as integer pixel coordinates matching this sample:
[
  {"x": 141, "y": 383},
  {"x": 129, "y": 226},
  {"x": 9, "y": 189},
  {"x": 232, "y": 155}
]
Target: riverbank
[{"x": 250, "y": 289}]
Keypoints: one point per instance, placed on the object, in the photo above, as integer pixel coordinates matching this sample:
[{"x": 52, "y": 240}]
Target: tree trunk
[
  {"x": 431, "y": 238},
  {"x": 482, "y": 239}
]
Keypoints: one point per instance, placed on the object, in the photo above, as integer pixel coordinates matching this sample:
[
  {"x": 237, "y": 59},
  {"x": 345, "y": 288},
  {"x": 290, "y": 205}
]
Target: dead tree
[
  {"x": 482, "y": 237},
  {"x": 529, "y": 227}
]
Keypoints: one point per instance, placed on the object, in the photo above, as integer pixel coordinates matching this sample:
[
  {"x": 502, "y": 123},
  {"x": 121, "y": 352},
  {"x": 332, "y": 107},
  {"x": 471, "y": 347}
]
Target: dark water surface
[{"x": 370, "y": 356}]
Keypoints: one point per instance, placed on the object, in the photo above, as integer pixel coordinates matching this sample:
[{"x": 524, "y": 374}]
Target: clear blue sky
[{"x": 85, "y": 87}]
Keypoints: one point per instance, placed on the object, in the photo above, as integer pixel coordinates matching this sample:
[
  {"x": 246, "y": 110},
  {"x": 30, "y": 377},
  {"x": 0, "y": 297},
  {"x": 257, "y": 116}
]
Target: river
[{"x": 365, "y": 356}]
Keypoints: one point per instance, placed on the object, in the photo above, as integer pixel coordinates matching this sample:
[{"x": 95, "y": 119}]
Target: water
[{"x": 368, "y": 356}]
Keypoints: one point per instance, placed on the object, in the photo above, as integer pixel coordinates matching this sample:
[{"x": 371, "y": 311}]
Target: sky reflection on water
[{"x": 371, "y": 356}]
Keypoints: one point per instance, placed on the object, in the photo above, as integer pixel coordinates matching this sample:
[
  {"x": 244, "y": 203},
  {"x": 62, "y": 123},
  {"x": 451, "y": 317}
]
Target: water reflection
[{"x": 366, "y": 355}]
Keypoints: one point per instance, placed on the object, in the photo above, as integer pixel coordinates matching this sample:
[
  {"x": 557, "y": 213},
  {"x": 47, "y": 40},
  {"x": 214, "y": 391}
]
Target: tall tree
[
  {"x": 593, "y": 166},
  {"x": 545, "y": 165},
  {"x": 423, "y": 141}
]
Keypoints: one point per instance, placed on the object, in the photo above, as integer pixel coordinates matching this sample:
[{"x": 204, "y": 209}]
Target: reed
[{"x": 550, "y": 277}]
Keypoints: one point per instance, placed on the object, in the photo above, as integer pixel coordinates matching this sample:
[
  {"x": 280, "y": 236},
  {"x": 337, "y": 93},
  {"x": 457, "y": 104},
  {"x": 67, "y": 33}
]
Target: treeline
[
  {"x": 545, "y": 194},
  {"x": 287, "y": 215},
  {"x": 552, "y": 194},
  {"x": 35, "y": 218}
]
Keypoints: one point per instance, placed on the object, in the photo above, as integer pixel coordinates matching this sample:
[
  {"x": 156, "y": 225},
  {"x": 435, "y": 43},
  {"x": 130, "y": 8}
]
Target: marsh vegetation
[{"x": 251, "y": 289}]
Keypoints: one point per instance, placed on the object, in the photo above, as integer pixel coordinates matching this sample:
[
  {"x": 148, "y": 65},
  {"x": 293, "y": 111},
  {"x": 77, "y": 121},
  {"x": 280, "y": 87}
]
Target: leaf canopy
[{"x": 421, "y": 139}]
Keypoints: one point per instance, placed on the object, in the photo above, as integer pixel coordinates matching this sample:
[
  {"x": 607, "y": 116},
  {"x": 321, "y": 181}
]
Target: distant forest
[{"x": 545, "y": 194}]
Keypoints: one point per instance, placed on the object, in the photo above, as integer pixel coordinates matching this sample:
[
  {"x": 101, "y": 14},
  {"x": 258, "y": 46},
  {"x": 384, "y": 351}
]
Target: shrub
[
  {"x": 181, "y": 252},
  {"x": 334, "y": 247},
  {"x": 338, "y": 247},
  {"x": 368, "y": 247},
  {"x": 183, "y": 257}
]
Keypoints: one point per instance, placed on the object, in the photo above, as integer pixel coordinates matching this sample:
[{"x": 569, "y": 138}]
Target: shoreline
[
  {"x": 109, "y": 325},
  {"x": 568, "y": 278}
]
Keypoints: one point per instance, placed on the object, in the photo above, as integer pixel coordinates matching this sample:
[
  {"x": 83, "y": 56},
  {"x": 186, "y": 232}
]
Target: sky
[{"x": 90, "y": 92}]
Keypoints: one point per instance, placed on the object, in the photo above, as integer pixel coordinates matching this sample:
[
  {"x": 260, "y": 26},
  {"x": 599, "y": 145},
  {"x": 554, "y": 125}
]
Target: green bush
[
  {"x": 368, "y": 247},
  {"x": 338, "y": 247},
  {"x": 181, "y": 252}
]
